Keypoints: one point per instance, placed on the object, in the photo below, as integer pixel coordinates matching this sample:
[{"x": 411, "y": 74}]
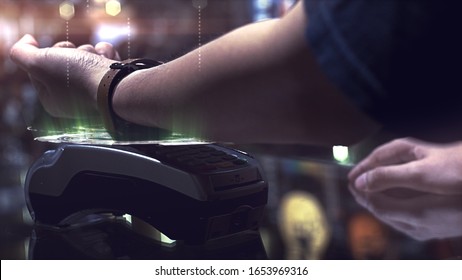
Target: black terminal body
[{"x": 189, "y": 192}]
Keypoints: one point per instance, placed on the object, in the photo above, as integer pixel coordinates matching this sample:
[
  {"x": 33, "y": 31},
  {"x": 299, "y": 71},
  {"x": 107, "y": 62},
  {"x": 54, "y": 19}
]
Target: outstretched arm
[{"x": 258, "y": 83}]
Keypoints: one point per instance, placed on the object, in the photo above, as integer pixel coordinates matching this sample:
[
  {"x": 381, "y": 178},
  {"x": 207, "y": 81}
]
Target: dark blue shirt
[{"x": 398, "y": 60}]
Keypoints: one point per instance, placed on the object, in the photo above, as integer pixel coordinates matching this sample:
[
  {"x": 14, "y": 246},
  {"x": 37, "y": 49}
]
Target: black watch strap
[{"x": 117, "y": 127}]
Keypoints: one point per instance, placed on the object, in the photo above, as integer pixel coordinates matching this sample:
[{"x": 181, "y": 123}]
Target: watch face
[{"x": 99, "y": 136}]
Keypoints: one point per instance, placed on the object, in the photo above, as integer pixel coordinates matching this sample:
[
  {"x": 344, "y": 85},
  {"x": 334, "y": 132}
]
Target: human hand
[
  {"x": 412, "y": 164},
  {"x": 422, "y": 216},
  {"x": 103, "y": 48},
  {"x": 65, "y": 77}
]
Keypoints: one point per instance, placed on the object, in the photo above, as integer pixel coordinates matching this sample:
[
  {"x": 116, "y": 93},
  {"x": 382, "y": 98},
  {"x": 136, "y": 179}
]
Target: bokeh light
[
  {"x": 66, "y": 10},
  {"x": 113, "y": 7},
  {"x": 340, "y": 153}
]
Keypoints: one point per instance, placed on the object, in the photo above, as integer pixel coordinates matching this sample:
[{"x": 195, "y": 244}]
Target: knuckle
[
  {"x": 373, "y": 176},
  {"x": 416, "y": 175}
]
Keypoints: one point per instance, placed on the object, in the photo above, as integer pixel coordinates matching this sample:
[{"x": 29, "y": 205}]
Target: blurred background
[{"x": 311, "y": 213}]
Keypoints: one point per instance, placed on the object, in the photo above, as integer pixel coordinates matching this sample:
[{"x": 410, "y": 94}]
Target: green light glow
[
  {"x": 340, "y": 153},
  {"x": 91, "y": 131}
]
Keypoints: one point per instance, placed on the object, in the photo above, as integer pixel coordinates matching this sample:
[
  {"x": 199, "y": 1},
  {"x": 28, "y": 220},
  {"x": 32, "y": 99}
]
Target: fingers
[
  {"x": 24, "y": 50},
  {"x": 104, "y": 49},
  {"x": 107, "y": 50},
  {"x": 395, "y": 152},
  {"x": 64, "y": 44},
  {"x": 387, "y": 177},
  {"x": 88, "y": 48},
  {"x": 67, "y": 44}
]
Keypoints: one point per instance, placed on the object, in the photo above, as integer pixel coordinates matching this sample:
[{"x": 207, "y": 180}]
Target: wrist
[
  {"x": 124, "y": 96},
  {"x": 119, "y": 128},
  {"x": 97, "y": 78}
]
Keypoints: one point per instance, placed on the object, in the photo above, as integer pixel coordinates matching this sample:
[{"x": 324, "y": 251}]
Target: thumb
[
  {"x": 24, "y": 52},
  {"x": 387, "y": 177}
]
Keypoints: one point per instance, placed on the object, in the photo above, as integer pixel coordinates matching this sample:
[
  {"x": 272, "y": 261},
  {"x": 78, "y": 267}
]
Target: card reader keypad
[{"x": 200, "y": 158}]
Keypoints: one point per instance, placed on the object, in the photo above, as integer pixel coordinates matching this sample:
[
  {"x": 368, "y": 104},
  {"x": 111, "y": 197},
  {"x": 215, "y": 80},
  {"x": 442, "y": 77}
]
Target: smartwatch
[{"x": 118, "y": 128}]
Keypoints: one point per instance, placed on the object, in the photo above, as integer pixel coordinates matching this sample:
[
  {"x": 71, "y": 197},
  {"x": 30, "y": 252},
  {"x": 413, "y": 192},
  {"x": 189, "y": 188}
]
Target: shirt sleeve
[{"x": 395, "y": 59}]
